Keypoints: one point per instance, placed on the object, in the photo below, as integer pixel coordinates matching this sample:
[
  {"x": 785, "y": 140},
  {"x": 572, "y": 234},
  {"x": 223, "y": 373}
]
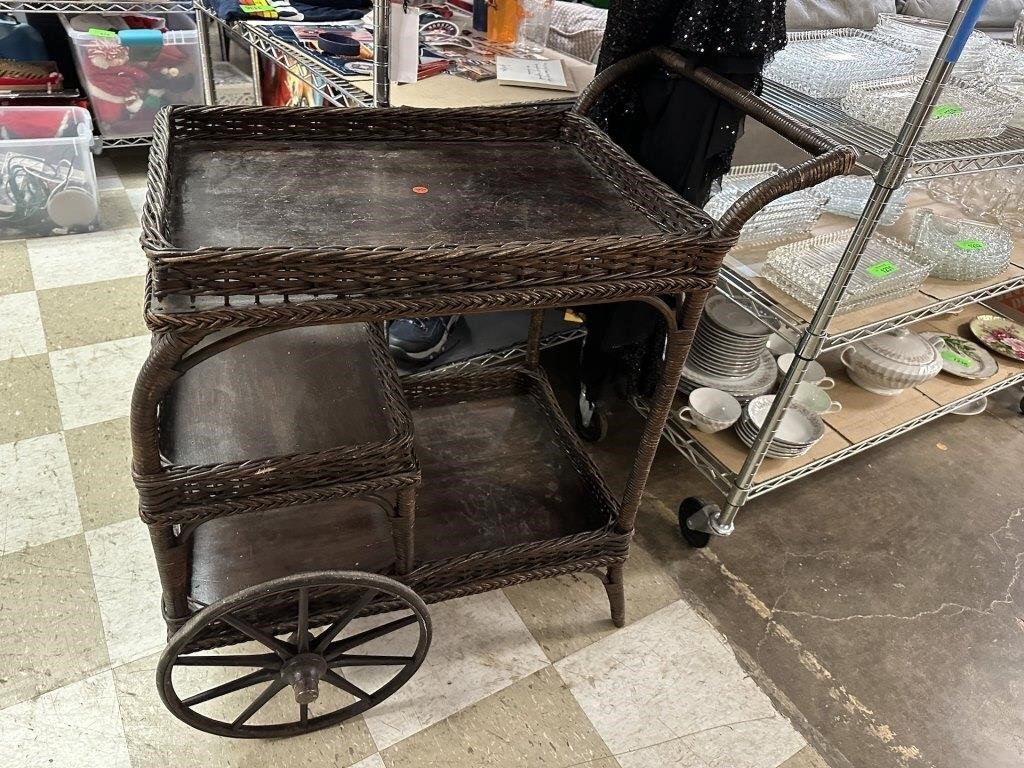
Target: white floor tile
[
  {"x": 94, "y": 383},
  {"x": 128, "y": 590},
  {"x": 60, "y": 261},
  {"x": 77, "y": 726},
  {"x": 21, "y": 327},
  {"x": 373, "y": 761},
  {"x": 37, "y": 493},
  {"x": 763, "y": 743},
  {"x": 157, "y": 739},
  {"x": 480, "y": 646},
  {"x": 137, "y": 197},
  {"x": 757, "y": 744},
  {"x": 670, "y": 676},
  {"x": 106, "y": 175}
]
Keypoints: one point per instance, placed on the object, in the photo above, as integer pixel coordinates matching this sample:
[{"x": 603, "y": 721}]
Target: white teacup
[
  {"x": 711, "y": 410},
  {"x": 815, "y": 398},
  {"x": 815, "y": 374},
  {"x": 779, "y": 345}
]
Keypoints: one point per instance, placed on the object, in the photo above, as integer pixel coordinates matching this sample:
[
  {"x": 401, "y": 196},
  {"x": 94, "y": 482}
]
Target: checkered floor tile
[{"x": 534, "y": 675}]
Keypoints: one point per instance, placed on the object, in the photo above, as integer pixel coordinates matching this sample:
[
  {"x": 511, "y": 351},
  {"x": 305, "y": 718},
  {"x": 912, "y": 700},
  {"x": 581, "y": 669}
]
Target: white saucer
[{"x": 759, "y": 382}]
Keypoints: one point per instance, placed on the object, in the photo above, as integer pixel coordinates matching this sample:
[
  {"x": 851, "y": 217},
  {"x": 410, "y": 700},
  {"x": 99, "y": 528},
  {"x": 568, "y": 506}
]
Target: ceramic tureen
[{"x": 890, "y": 362}]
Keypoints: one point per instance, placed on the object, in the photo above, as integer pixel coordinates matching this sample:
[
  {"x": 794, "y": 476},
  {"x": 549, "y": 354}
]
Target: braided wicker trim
[{"x": 236, "y": 314}]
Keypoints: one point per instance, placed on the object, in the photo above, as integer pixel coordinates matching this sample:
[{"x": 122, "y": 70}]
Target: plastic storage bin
[
  {"x": 128, "y": 84},
  {"x": 47, "y": 177}
]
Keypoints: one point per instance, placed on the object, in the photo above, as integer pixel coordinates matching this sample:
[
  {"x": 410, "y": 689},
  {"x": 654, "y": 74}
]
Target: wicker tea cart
[{"x": 290, "y": 480}]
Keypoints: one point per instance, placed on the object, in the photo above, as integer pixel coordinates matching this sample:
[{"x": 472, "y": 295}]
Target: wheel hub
[{"x": 303, "y": 673}]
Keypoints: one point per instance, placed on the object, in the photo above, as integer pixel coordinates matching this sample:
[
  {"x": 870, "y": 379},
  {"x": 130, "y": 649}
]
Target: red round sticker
[{"x": 420, "y": 190}]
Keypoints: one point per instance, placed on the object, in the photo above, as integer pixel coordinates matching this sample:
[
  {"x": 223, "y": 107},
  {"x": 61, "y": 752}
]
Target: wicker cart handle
[{"x": 830, "y": 157}]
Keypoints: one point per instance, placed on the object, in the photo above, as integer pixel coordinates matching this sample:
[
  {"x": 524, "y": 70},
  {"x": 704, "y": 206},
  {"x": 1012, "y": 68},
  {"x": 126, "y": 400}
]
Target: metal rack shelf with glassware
[{"x": 742, "y": 474}]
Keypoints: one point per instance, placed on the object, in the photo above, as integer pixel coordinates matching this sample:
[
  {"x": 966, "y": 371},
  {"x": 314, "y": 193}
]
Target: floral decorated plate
[
  {"x": 964, "y": 358},
  {"x": 1000, "y": 335}
]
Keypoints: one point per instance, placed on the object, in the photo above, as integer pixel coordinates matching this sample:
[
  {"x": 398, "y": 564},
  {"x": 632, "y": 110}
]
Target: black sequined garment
[
  {"x": 678, "y": 131},
  {"x": 712, "y": 27}
]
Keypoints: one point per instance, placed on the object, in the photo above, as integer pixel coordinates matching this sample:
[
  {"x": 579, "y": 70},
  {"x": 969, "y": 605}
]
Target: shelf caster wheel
[
  {"x": 695, "y": 507},
  {"x": 596, "y": 430},
  {"x": 323, "y": 678}
]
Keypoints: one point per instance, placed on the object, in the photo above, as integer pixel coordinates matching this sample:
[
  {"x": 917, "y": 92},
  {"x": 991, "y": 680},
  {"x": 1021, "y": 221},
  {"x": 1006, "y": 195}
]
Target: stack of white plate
[
  {"x": 800, "y": 429},
  {"x": 729, "y": 352}
]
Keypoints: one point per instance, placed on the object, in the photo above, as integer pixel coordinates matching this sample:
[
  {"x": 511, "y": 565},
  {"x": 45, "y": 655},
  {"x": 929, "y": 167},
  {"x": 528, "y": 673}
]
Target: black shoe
[{"x": 422, "y": 339}]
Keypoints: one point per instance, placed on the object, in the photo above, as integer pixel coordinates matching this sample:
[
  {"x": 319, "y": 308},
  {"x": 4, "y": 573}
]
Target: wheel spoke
[
  {"x": 303, "y": 714},
  {"x": 261, "y": 660},
  {"x": 302, "y": 629},
  {"x": 282, "y": 649},
  {"x": 324, "y": 638},
  {"x": 259, "y": 676},
  {"x": 336, "y": 649},
  {"x": 338, "y": 681},
  {"x": 366, "y": 660},
  {"x": 258, "y": 703}
]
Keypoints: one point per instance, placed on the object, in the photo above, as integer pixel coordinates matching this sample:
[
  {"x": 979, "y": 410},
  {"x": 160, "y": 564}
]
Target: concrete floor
[{"x": 879, "y": 602}]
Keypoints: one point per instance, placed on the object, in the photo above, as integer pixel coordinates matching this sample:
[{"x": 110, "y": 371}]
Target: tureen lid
[{"x": 901, "y": 346}]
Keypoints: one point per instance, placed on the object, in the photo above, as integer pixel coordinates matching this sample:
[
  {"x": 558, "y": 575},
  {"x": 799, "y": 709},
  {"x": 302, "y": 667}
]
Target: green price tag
[
  {"x": 953, "y": 357},
  {"x": 971, "y": 244},
  {"x": 102, "y": 33},
  {"x": 946, "y": 110},
  {"x": 882, "y": 269},
  {"x": 257, "y": 8}
]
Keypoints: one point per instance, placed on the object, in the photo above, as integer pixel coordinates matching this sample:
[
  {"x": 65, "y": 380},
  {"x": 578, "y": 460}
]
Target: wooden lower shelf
[{"x": 496, "y": 474}]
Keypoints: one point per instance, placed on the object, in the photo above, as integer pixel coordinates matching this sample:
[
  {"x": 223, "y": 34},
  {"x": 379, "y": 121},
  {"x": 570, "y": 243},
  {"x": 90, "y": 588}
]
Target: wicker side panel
[
  {"x": 483, "y": 573},
  {"x": 392, "y": 272},
  {"x": 183, "y": 494},
  {"x": 656, "y": 199}
]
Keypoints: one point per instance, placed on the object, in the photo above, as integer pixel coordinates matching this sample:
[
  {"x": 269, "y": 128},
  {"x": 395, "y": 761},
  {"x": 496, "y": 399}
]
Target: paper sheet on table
[
  {"x": 537, "y": 72},
  {"x": 405, "y": 43}
]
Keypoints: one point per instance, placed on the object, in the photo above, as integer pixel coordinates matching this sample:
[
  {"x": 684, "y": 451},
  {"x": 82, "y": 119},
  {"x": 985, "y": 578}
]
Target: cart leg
[
  {"x": 615, "y": 587},
  {"x": 401, "y": 529},
  {"x": 533, "y": 339},
  {"x": 206, "y": 58},
  {"x": 257, "y": 75}
]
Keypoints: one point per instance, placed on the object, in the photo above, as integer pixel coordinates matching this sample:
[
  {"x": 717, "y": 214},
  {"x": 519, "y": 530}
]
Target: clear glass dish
[
  {"x": 823, "y": 63},
  {"x": 847, "y": 196},
  {"x": 996, "y": 197},
  {"x": 925, "y": 35},
  {"x": 961, "y": 113},
  {"x": 1003, "y": 77},
  {"x": 888, "y": 270},
  {"x": 960, "y": 249},
  {"x": 792, "y": 214}
]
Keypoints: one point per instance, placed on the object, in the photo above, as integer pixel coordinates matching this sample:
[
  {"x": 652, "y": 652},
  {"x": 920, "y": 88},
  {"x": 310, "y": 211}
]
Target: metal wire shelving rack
[
  {"x": 742, "y": 475},
  {"x": 334, "y": 88},
  {"x": 100, "y": 6}
]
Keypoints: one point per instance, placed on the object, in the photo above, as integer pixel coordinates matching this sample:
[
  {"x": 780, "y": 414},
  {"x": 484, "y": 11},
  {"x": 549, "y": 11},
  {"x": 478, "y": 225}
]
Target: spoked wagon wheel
[{"x": 298, "y": 667}]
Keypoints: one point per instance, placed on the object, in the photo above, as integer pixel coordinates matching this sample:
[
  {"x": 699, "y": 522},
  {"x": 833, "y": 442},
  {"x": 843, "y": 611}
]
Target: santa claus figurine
[{"x": 129, "y": 83}]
